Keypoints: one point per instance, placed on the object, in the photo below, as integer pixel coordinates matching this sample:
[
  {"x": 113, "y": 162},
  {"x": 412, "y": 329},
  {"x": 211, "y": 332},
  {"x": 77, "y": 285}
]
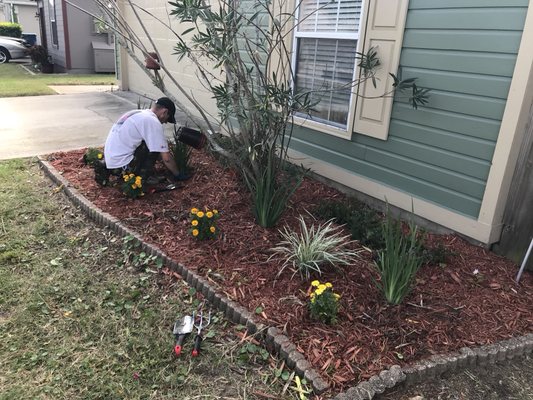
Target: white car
[{"x": 11, "y": 48}]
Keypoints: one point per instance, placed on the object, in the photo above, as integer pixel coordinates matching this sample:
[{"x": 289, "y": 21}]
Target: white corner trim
[
  {"x": 457, "y": 222},
  {"x": 511, "y": 132}
]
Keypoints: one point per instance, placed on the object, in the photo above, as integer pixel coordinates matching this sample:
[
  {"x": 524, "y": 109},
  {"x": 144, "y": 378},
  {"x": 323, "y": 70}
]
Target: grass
[
  {"x": 83, "y": 316},
  {"x": 16, "y": 81}
]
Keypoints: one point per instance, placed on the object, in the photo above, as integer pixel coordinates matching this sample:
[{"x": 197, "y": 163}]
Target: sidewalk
[{"x": 37, "y": 125}]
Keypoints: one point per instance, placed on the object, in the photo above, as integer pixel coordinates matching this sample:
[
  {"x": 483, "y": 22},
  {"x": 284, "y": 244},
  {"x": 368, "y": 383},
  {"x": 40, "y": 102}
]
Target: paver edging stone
[
  {"x": 277, "y": 343},
  {"x": 231, "y": 309}
]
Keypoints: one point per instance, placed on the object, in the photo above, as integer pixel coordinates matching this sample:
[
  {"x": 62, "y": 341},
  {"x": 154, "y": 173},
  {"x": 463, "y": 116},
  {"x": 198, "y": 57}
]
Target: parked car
[{"x": 11, "y": 48}]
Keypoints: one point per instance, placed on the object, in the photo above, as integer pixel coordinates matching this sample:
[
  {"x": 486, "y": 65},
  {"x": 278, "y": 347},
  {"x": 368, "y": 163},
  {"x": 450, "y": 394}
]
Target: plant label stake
[
  {"x": 181, "y": 329},
  {"x": 200, "y": 322}
]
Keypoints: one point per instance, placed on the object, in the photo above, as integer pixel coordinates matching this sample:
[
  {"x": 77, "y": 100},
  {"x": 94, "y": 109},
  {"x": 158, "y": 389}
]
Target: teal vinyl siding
[{"x": 465, "y": 51}]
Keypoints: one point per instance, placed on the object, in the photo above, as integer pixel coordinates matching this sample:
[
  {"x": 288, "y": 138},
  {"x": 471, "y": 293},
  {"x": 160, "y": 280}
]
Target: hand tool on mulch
[
  {"x": 167, "y": 188},
  {"x": 200, "y": 322},
  {"x": 181, "y": 329}
]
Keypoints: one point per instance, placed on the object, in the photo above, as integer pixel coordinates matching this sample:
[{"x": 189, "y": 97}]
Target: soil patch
[{"x": 471, "y": 301}]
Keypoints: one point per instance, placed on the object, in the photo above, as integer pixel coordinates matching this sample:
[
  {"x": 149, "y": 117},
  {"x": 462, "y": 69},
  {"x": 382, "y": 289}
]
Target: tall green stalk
[{"x": 399, "y": 261}]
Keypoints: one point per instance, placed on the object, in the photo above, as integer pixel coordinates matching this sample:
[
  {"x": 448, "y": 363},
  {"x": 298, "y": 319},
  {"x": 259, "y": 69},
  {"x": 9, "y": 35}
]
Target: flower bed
[{"x": 472, "y": 300}]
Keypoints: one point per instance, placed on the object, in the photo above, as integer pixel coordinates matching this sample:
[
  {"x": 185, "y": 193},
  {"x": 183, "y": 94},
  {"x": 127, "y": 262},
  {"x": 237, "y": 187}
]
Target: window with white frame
[
  {"x": 53, "y": 21},
  {"x": 325, "y": 44}
]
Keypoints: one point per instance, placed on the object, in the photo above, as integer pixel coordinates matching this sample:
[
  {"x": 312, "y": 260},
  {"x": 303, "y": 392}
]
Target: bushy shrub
[
  {"x": 363, "y": 222},
  {"x": 39, "y": 55},
  {"x": 10, "y": 29}
]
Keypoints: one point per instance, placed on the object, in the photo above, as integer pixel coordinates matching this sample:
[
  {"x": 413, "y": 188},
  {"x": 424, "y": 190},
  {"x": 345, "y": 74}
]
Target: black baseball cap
[{"x": 169, "y": 105}]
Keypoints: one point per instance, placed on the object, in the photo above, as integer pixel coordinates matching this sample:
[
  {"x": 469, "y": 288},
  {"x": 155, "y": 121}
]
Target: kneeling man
[{"x": 137, "y": 140}]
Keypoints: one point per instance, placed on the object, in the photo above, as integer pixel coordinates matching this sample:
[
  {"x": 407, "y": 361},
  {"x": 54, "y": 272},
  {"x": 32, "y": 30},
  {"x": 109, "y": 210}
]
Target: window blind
[{"x": 326, "y": 41}]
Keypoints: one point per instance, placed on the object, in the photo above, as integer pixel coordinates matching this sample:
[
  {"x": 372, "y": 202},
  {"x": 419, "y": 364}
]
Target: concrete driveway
[{"x": 37, "y": 125}]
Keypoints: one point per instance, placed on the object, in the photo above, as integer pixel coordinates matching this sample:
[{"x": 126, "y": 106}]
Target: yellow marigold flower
[
  {"x": 194, "y": 211},
  {"x": 312, "y": 294},
  {"x": 329, "y": 285},
  {"x": 337, "y": 296},
  {"x": 313, "y": 300},
  {"x": 322, "y": 287},
  {"x": 134, "y": 186},
  {"x": 200, "y": 214},
  {"x": 195, "y": 232},
  {"x": 315, "y": 283},
  {"x": 209, "y": 214},
  {"x": 212, "y": 229},
  {"x": 215, "y": 212},
  {"x": 132, "y": 175},
  {"x": 126, "y": 178},
  {"x": 194, "y": 222},
  {"x": 100, "y": 155},
  {"x": 319, "y": 291}
]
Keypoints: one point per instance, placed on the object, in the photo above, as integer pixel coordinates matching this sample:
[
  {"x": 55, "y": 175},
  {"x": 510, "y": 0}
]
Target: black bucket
[{"x": 191, "y": 137}]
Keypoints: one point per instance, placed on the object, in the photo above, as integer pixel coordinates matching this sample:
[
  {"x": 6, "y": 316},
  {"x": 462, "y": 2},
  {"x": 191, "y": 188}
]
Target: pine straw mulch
[{"x": 450, "y": 306}]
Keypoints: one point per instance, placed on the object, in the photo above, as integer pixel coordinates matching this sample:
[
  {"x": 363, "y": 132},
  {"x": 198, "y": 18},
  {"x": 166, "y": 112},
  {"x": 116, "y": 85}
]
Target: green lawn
[
  {"x": 16, "y": 81},
  {"x": 84, "y": 315}
]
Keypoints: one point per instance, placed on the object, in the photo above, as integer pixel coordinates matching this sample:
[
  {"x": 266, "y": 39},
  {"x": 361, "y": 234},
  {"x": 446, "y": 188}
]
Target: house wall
[
  {"x": 82, "y": 34},
  {"x": 184, "y": 71},
  {"x": 465, "y": 51},
  {"x": 57, "y": 52},
  {"x": 447, "y": 161}
]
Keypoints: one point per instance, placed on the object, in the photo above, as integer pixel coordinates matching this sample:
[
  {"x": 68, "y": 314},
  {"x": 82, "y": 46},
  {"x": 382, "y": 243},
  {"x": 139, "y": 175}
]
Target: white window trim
[
  {"x": 330, "y": 128},
  {"x": 382, "y": 25}
]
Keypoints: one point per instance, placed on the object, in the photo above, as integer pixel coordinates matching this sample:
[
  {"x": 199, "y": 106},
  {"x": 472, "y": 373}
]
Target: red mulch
[{"x": 449, "y": 308}]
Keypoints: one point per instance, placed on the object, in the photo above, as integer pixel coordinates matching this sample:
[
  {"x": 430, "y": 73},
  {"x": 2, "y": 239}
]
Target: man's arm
[{"x": 169, "y": 162}]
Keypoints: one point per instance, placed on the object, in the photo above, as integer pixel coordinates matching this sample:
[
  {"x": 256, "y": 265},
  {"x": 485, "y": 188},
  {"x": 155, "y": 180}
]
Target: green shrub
[
  {"x": 10, "y": 29},
  {"x": 312, "y": 248},
  {"x": 181, "y": 153},
  {"x": 399, "y": 261},
  {"x": 363, "y": 222},
  {"x": 92, "y": 155},
  {"x": 437, "y": 255},
  {"x": 271, "y": 192}
]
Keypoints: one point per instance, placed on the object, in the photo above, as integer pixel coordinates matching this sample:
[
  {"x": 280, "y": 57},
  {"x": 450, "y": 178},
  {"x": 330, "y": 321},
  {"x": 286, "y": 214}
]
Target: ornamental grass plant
[
  {"x": 399, "y": 261},
  {"x": 313, "y": 248}
]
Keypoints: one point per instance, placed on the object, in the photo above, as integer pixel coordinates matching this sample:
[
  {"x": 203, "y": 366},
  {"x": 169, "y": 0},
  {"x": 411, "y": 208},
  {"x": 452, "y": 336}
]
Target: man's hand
[{"x": 169, "y": 163}]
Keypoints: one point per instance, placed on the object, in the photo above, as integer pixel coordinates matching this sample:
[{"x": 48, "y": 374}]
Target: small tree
[{"x": 242, "y": 59}]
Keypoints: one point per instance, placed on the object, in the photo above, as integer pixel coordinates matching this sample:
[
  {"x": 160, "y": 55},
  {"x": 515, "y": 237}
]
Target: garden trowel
[{"x": 181, "y": 329}]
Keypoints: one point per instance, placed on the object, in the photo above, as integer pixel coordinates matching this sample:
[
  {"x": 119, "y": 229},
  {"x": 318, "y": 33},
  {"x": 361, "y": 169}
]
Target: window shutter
[{"x": 384, "y": 31}]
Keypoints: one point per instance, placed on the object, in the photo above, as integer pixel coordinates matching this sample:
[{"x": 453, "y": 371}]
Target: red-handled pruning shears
[{"x": 200, "y": 322}]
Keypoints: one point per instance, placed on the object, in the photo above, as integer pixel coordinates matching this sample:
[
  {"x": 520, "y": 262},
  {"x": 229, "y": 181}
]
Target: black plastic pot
[{"x": 191, "y": 137}]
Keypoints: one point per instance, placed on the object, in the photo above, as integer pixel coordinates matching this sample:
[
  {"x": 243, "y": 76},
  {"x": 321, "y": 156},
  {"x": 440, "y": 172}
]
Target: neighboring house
[
  {"x": 23, "y": 12},
  {"x": 451, "y": 161},
  {"x": 73, "y": 39}
]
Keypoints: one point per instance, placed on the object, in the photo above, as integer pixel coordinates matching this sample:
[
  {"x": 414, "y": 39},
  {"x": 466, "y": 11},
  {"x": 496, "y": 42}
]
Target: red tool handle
[
  {"x": 179, "y": 342},
  {"x": 196, "y": 348}
]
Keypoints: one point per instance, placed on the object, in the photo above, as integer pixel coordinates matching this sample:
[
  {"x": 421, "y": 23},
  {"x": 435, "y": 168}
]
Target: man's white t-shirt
[{"x": 128, "y": 133}]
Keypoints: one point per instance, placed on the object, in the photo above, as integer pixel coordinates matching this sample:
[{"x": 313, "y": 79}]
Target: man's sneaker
[{"x": 101, "y": 173}]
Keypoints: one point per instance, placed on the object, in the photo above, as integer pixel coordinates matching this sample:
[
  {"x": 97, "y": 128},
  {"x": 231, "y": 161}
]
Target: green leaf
[{"x": 259, "y": 310}]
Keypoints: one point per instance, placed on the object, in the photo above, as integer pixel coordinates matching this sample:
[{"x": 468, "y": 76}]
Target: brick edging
[
  {"x": 271, "y": 337},
  {"x": 438, "y": 364},
  {"x": 280, "y": 344}
]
